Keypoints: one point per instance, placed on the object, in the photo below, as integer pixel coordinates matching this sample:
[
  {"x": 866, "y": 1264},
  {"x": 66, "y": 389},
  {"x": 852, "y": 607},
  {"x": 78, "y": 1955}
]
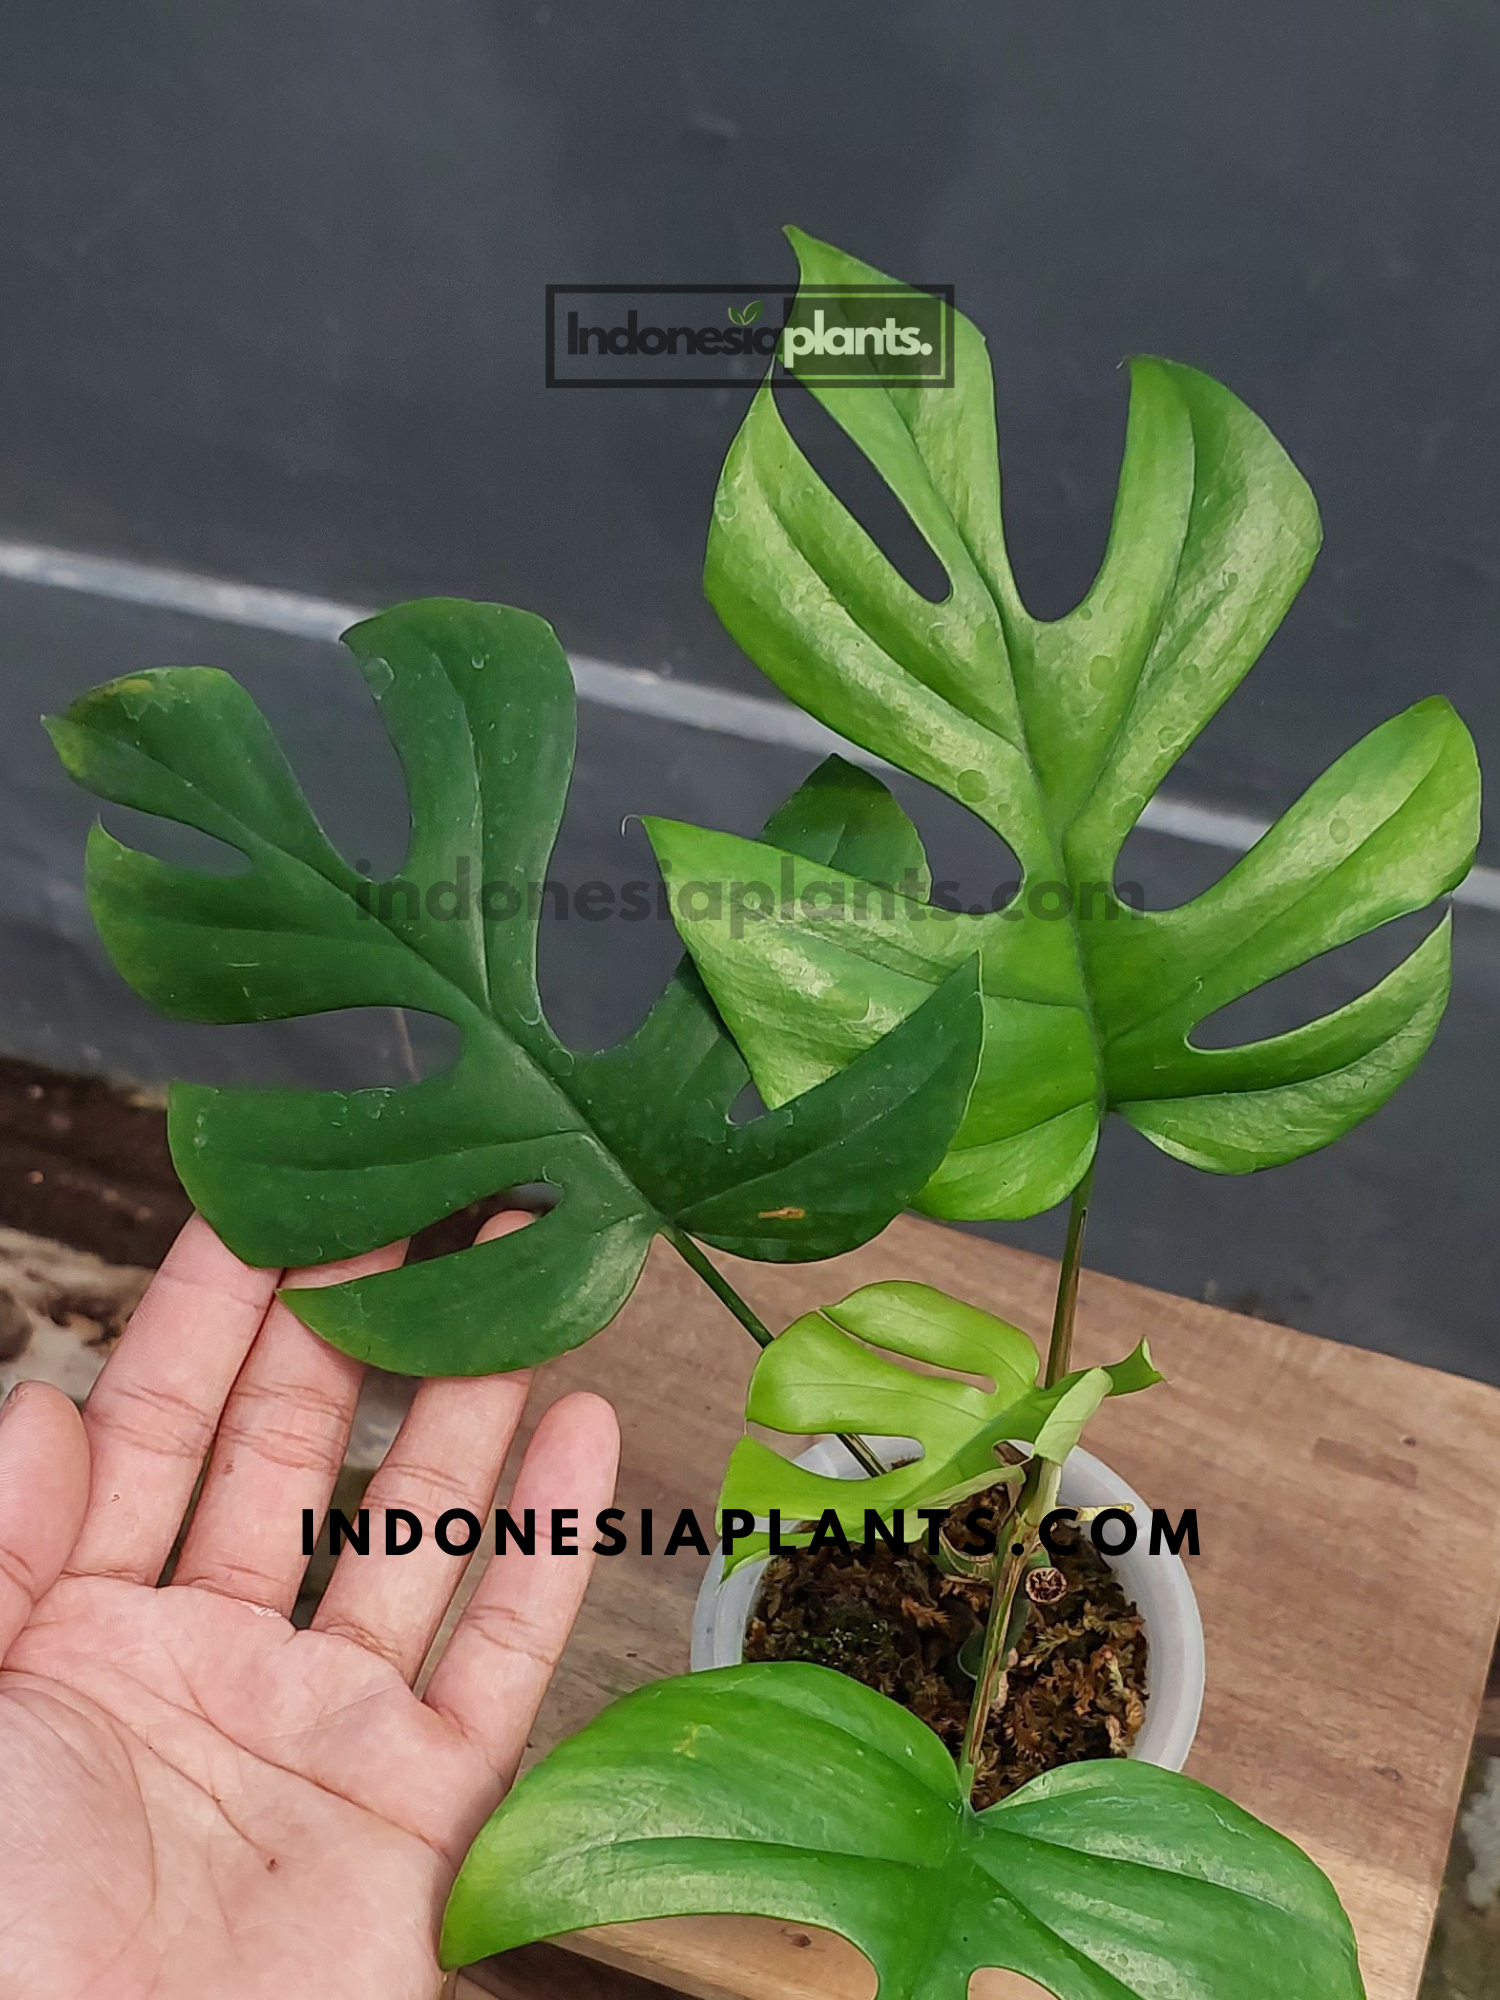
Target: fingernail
[{"x": 12, "y": 1400}]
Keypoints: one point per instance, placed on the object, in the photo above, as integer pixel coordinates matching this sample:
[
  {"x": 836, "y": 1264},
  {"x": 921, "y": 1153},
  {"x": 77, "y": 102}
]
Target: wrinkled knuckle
[
  {"x": 269, "y": 1402},
  {"x": 341, "y": 1626},
  {"x": 160, "y": 1421},
  {"x": 247, "y": 1582},
  {"x": 433, "y": 1486},
  {"x": 286, "y": 1445},
  {"x": 512, "y": 1631},
  {"x": 18, "y": 1573}
]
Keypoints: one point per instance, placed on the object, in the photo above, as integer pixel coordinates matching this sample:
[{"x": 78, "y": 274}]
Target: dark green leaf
[
  {"x": 478, "y": 701},
  {"x": 1056, "y": 734},
  {"x": 792, "y": 1792},
  {"x": 845, "y": 819}
]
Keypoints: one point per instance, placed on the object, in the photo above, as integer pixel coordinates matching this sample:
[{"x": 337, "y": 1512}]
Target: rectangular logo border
[{"x": 943, "y": 293}]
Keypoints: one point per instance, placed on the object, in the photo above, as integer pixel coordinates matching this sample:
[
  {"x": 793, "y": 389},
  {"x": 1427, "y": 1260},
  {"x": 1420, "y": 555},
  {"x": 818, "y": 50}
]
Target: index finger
[{"x": 152, "y": 1413}]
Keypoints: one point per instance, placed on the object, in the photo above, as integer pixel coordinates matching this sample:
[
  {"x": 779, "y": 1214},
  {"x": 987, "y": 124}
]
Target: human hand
[{"x": 198, "y": 1801}]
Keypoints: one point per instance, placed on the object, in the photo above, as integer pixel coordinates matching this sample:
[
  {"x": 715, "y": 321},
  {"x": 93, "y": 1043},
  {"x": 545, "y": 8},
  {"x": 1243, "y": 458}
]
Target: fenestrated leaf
[
  {"x": 833, "y": 1371},
  {"x": 1056, "y": 734},
  {"x": 479, "y": 703},
  {"x": 793, "y": 1792}
]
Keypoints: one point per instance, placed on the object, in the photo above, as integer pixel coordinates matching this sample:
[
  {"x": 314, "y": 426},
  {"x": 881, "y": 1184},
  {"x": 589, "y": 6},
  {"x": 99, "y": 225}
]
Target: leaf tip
[
  {"x": 64, "y": 737},
  {"x": 664, "y": 836}
]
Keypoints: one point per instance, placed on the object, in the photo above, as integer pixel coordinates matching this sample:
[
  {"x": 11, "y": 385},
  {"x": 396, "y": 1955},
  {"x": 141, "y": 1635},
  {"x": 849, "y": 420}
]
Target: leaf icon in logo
[{"x": 746, "y": 315}]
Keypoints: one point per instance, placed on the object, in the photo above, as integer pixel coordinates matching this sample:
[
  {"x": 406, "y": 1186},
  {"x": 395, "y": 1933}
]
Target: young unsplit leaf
[
  {"x": 478, "y": 701},
  {"x": 832, "y": 1371},
  {"x": 1056, "y": 734},
  {"x": 792, "y": 1792}
]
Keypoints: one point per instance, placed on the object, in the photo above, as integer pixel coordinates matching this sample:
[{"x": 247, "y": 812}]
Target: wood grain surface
[{"x": 1349, "y": 1507}]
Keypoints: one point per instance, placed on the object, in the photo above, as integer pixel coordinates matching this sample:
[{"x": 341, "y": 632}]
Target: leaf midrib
[
  {"x": 1033, "y": 1839},
  {"x": 1014, "y": 640},
  {"x": 467, "y": 1013}
]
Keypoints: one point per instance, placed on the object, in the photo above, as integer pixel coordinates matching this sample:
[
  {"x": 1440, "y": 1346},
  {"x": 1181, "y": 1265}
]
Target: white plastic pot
[{"x": 1157, "y": 1585}]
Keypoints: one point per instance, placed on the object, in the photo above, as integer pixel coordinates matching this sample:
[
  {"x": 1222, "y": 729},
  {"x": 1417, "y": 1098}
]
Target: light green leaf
[
  {"x": 792, "y": 1792},
  {"x": 1056, "y": 734},
  {"x": 834, "y": 1371},
  {"x": 479, "y": 703},
  {"x": 1063, "y": 1424}
]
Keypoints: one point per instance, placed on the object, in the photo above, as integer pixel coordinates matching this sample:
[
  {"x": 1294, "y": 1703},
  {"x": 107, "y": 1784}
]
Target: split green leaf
[
  {"x": 792, "y": 1792},
  {"x": 833, "y": 1371},
  {"x": 479, "y": 703},
  {"x": 1056, "y": 734}
]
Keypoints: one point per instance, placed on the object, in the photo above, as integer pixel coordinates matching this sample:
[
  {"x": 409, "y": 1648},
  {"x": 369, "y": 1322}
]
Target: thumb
[{"x": 44, "y": 1486}]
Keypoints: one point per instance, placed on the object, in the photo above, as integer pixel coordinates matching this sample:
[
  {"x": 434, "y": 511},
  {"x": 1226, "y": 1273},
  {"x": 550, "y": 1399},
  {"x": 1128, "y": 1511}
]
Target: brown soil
[
  {"x": 897, "y": 1623},
  {"x": 85, "y": 1162}
]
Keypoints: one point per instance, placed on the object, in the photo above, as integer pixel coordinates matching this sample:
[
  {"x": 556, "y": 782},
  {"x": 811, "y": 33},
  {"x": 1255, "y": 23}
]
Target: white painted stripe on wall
[
  {"x": 178, "y": 590},
  {"x": 636, "y": 690}
]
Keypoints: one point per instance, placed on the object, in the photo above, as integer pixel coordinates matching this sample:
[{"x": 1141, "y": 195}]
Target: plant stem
[
  {"x": 1003, "y": 1588},
  {"x": 756, "y": 1327},
  {"x": 720, "y": 1286},
  {"x": 858, "y": 1450},
  {"x": 1021, "y": 1530},
  {"x": 861, "y": 1453},
  {"x": 1060, "y": 1346},
  {"x": 403, "y": 1043},
  {"x": 1036, "y": 1499}
]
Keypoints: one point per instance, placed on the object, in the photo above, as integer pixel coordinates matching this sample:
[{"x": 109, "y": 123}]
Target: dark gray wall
[
  {"x": 271, "y": 294},
  {"x": 271, "y": 307}
]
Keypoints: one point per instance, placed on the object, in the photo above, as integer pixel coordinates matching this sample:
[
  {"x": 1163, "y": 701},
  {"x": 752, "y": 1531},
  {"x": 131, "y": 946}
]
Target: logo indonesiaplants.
[{"x": 675, "y": 336}]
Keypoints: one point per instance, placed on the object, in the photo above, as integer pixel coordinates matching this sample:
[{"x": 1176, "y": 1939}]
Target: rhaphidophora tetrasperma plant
[
  {"x": 906, "y": 1054},
  {"x": 782, "y": 1789}
]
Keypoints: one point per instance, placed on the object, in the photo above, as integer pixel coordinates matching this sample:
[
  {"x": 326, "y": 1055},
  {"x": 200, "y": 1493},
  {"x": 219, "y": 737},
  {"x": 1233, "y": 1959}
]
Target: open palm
[{"x": 200, "y": 1802}]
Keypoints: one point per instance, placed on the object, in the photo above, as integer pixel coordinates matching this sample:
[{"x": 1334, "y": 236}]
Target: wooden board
[
  {"x": 1349, "y": 1579},
  {"x": 543, "y": 1972}
]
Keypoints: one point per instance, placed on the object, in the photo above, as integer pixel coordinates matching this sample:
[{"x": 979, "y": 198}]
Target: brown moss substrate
[{"x": 897, "y": 1623}]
